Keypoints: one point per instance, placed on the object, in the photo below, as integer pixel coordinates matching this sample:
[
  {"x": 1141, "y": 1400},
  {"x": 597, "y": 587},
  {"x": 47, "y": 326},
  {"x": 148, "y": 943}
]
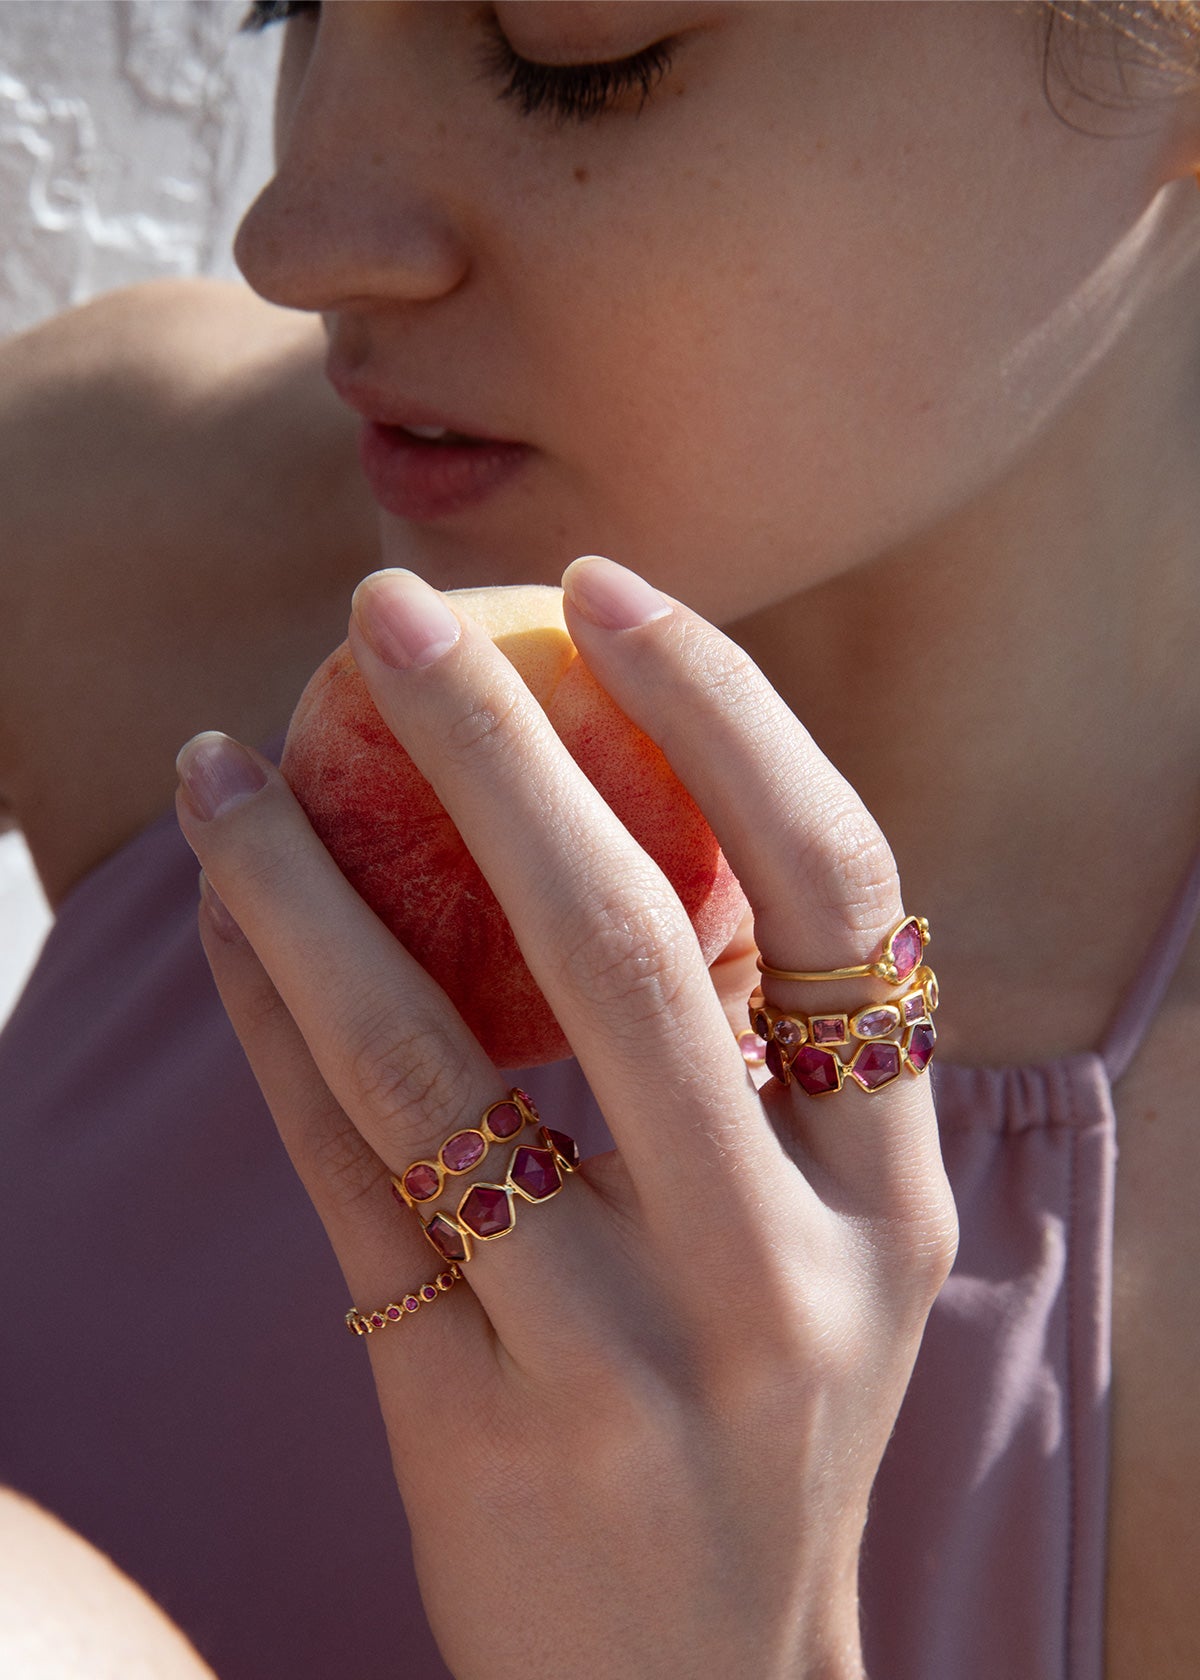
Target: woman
[{"x": 826, "y": 322}]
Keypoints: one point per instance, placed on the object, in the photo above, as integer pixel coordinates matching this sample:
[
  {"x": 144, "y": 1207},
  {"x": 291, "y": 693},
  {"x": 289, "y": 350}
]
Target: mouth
[
  {"x": 421, "y": 465},
  {"x": 422, "y": 473}
]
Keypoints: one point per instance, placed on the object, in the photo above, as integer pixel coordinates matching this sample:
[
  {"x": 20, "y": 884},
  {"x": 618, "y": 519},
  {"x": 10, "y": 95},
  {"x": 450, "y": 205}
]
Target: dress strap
[{"x": 1133, "y": 1015}]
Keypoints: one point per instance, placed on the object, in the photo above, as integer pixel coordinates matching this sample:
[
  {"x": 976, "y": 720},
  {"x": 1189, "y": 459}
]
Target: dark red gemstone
[
  {"x": 429, "y": 1293},
  {"x": 486, "y": 1210},
  {"x": 394, "y": 1313},
  {"x": 411, "y": 1303},
  {"x": 421, "y": 1182},
  {"x": 777, "y": 1061},
  {"x": 920, "y": 1045},
  {"x": 876, "y": 1065},
  {"x": 906, "y": 949},
  {"x": 816, "y": 1071},
  {"x": 535, "y": 1173},
  {"x": 448, "y": 1241},
  {"x": 566, "y": 1146},
  {"x": 505, "y": 1120},
  {"x": 378, "y": 1320}
]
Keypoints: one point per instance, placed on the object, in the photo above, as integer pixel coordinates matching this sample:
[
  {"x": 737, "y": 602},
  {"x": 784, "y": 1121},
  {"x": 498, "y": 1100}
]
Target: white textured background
[{"x": 133, "y": 134}]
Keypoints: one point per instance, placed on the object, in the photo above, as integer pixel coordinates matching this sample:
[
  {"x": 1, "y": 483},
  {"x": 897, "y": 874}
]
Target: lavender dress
[{"x": 176, "y": 1381}]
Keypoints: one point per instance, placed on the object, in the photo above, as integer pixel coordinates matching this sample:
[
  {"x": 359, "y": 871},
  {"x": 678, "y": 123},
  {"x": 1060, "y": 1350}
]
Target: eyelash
[{"x": 563, "y": 92}]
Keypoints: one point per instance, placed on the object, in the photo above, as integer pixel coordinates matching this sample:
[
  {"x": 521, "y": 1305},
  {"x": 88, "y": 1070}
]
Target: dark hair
[{"x": 1118, "y": 55}]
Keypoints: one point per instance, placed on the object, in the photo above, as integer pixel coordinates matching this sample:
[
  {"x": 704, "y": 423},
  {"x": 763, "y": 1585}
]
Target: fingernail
[
  {"x": 216, "y": 774},
  {"x": 405, "y": 622},
  {"x": 610, "y": 595},
  {"x": 218, "y": 914}
]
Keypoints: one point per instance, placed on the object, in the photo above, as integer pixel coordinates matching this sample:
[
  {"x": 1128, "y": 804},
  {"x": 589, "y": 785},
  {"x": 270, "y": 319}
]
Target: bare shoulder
[
  {"x": 67, "y": 1612},
  {"x": 181, "y": 520}
]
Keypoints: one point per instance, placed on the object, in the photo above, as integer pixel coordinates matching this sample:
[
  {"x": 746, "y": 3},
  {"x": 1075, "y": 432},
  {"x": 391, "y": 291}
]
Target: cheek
[{"x": 849, "y": 383}]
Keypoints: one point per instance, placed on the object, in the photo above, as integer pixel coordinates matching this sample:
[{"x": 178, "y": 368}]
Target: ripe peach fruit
[{"x": 394, "y": 842}]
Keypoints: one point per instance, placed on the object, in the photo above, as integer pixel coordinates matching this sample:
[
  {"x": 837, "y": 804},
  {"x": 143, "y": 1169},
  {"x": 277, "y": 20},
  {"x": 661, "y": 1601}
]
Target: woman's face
[{"x": 804, "y": 304}]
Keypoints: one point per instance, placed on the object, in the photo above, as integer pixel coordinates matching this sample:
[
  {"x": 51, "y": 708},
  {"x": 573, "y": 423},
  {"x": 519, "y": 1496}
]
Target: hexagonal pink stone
[
  {"x": 816, "y": 1071},
  {"x": 921, "y": 1041},
  {"x": 876, "y": 1065}
]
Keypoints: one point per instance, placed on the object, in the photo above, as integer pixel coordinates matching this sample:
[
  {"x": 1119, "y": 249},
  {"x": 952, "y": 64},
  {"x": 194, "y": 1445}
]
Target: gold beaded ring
[
  {"x": 488, "y": 1211},
  {"x": 424, "y": 1181},
  {"x": 365, "y": 1324}
]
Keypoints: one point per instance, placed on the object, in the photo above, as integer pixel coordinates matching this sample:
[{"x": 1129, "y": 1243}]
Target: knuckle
[
  {"x": 489, "y": 727},
  {"x": 409, "y": 1066},
  {"x": 632, "y": 955},
  {"x": 919, "y": 1246}
]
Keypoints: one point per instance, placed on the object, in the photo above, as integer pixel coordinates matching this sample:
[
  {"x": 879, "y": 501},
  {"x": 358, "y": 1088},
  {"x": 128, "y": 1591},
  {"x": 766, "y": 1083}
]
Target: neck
[{"x": 1016, "y": 698}]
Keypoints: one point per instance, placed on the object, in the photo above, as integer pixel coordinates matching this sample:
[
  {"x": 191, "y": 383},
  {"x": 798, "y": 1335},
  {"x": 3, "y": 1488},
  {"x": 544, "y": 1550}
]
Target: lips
[
  {"x": 421, "y": 479},
  {"x": 454, "y": 466}
]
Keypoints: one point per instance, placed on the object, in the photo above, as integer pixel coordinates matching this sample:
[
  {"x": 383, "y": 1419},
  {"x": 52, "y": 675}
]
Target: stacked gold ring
[
  {"x": 488, "y": 1210},
  {"x": 893, "y": 1034}
]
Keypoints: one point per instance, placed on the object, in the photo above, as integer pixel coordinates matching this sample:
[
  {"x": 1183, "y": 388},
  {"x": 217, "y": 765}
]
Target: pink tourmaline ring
[
  {"x": 487, "y": 1211},
  {"x": 887, "y": 1037},
  {"x": 901, "y": 956},
  {"x": 424, "y": 1181}
]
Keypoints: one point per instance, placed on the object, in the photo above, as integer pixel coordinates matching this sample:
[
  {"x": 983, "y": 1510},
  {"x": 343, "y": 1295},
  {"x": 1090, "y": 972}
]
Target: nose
[{"x": 356, "y": 212}]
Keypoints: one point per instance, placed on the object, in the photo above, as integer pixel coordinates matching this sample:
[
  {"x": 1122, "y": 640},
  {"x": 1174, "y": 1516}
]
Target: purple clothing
[{"x": 179, "y": 1386}]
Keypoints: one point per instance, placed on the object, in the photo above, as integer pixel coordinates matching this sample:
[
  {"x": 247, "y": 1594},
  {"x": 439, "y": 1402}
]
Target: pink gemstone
[
  {"x": 378, "y": 1321},
  {"x": 394, "y": 1313},
  {"x": 876, "y": 1065},
  {"x": 751, "y": 1046},
  {"x": 486, "y": 1210},
  {"x": 505, "y": 1120},
  {"x": 460, "y": 1153},
  {"x": 787, "y": 1033},
  {"x": 921, "y": 1041},
  {"x": 816, "y": 1071},
  {"x": 421, "y": 1182},
  {"x": 931, "y": 992},
  {"x": 913, "y": 1006},
  {"x": 906, "y": 949},
  {"x": 828, "y": 1029},
  {"x": 777, "y": 1061},
  {"x": 535, "y": 1173},
  {"x": 566, "y": 1146},
  {"x": 876, "y": 1023},
  {"x": 448, "y": 1242},
  {"x": 528, "y": 1101},
  {"x": 429, "y": 1292}
]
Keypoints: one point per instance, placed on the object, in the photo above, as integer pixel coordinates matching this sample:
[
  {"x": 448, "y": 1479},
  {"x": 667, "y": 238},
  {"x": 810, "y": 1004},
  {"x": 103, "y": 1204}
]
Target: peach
[{"x": 391, "y": 837}]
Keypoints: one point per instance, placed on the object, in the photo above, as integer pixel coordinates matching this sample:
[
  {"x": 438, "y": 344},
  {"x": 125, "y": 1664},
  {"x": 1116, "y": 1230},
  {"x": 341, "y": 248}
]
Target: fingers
[
  {"x": 818, "y": 872},
  {"x": 361, "y": 1057},
  {"x": 601, "y": 929},
  {"x": 380, "y": 1248}
]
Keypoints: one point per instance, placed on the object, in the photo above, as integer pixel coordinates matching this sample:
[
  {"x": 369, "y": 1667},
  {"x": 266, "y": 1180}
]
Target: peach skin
[{"x": 392, "y": 839}]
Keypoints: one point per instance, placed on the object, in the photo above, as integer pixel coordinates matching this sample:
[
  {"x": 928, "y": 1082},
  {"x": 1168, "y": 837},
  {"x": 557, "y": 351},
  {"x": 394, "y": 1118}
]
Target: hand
[{"x": 639, "y": 1438}]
